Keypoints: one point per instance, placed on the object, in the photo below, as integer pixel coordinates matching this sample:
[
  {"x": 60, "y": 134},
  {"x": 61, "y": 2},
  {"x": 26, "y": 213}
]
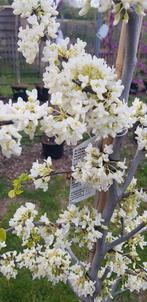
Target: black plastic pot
[
  {"x": 19, "y": 91},
  {"x": 134, "y": 88},
  {"x": 145, "y": 85},
  {"x": 43, "y": 95},
  {"x": 51, "y": 149}
]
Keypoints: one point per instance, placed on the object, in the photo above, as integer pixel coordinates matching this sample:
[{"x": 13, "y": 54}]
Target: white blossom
[
  {"x": 141, "y": 137},
  {"x": 105, "y": 5},
  {"x": 40, "y": 174},
  {"x": 22, "y": 222},
  {"x": 7, "y": 265},
  {"x": 85, "y": 223},
  {"x": 136, "y": 283},
  {"x": 41, "y": 21},
  {"x": 80, "y": 281},
  {"x": 97, "y": 170},
  {"x": 10, "y": 141}
]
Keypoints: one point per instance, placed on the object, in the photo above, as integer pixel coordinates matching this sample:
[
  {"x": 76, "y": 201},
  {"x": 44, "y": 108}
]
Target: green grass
[
  {"x": 7, "y": 78},
  {"x": 24, "y": 289}
]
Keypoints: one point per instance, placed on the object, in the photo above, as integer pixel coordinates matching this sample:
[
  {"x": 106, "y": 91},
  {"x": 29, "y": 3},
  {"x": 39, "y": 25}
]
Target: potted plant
[
  {"x": 134, "y": 87},
  {"x": 43, "y": 95},
  {"x": 19, "y": 90},
  {"x": 51, "y": 148}
]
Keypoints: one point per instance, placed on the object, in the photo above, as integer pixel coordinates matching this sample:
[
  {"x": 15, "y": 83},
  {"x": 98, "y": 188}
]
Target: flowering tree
[{"x": 87, "y": 98}]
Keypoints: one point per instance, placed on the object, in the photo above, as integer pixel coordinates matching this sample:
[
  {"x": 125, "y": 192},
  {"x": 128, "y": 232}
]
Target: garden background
[{"x": 14, "y": 71}]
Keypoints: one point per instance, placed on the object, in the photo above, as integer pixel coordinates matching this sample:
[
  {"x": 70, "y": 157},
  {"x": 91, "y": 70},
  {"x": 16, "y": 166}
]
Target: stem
[
  {"x": 113, "y": 290},
  {"x": 132, "y": 169},
  {"x": 61, "y": 172},
  {"x": 133, "y": 29},
  {"x": 126, "y": 237},
  {"x": 5, "y": 123}
]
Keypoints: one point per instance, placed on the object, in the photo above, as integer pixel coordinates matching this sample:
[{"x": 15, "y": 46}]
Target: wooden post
[
  {"x": 17, "y": 57},
  {"x": 121, "y": 51}
]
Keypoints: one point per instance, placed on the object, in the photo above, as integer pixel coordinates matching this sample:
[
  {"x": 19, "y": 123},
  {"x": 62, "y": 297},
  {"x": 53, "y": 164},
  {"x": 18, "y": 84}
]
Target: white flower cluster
[
  {"x": 132, "y": 214},
  {"x": 130, "y": 206},
  {"x": 52, "y": 260},
  {"x": 86, "y": 94},
  {"x": 23, "y": 222},
  {"x": 53, "y": 53},
  {"x": 140, "y": 114},
  {"x": 41, "y": 21},
  {"x": 87, "y": 224},
  {"x": 24, "y": 116},
  {"x": 136, "y": 282},
  {"x": 40, "y": 174},
  {"x": 80, "y": 282},
  {"x": 122, "y": 265},
  {"x": 117, "y": 6},
  {"x": 119, "y": 264},
  {"x": 52, "y": 264},
  {"x": 97, "y": 170},
  {"x": 7, "y": 265},
  {"x": 28, "y": 114},
  {"x": 10, "y": 141}
]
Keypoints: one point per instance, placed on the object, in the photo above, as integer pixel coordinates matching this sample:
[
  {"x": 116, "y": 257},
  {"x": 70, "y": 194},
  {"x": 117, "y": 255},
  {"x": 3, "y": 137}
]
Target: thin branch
[
  {"x": 110, "y": 206},
  {"x": 131, "y": 258},
  {"x": 106, "y": 272},
  {"x": 122, "y": 226},
  {"x": 74, "y": 258},
  {"x": 113, "y": 290},
  {"x": 132, "y": 170},
  {"x": 126, "y": 237},
  {"x": 98, "y": 257},
  {"x": 6, "y": 123},
  {"x": 60, "y": 172}
]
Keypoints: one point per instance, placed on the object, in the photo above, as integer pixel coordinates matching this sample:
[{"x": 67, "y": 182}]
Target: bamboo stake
[
  {"x": 103, "y": 196},
  {"x": 121, "y": 51}
]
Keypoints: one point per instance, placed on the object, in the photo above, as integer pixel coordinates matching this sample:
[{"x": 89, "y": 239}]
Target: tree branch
[
  {"x": 132, "y": 169},
  {"x": 132, "y": 41},
  {"x": 6, "y": 123},
  {"x": 126, "y": 237},
  {"x": 133, "y": 29}
]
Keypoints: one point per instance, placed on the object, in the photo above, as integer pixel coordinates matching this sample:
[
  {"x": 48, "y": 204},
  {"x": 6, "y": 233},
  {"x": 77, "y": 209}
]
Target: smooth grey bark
[
  {"x": 132, "y": 170},
  {"x": 132, "y": 41},
  {"x": 126, "y": 237},
  {"x": 131, "y": 47}
]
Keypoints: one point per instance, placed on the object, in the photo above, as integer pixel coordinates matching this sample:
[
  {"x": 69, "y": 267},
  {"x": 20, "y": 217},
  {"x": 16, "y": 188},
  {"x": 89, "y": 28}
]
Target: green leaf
[
  {"x": 2, "y": 234},
  {"x": 117, "y": 19},
  {"x": 138, "y": 9},
  {"x": 118, "y": 8},
  {"x": 12, "y": 194},
  {"x": 126, "y": 17},
  {"x": 18, "y": 192}
]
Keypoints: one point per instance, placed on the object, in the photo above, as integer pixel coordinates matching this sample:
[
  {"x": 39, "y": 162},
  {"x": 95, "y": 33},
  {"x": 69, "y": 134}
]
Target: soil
[{"x": 13, "y": 167}]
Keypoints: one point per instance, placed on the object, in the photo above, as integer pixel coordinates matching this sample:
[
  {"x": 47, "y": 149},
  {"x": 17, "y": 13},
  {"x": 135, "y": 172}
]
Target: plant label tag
[
  {"x": 78, "y": 191},
  {"x": 103, "y": 32}
]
